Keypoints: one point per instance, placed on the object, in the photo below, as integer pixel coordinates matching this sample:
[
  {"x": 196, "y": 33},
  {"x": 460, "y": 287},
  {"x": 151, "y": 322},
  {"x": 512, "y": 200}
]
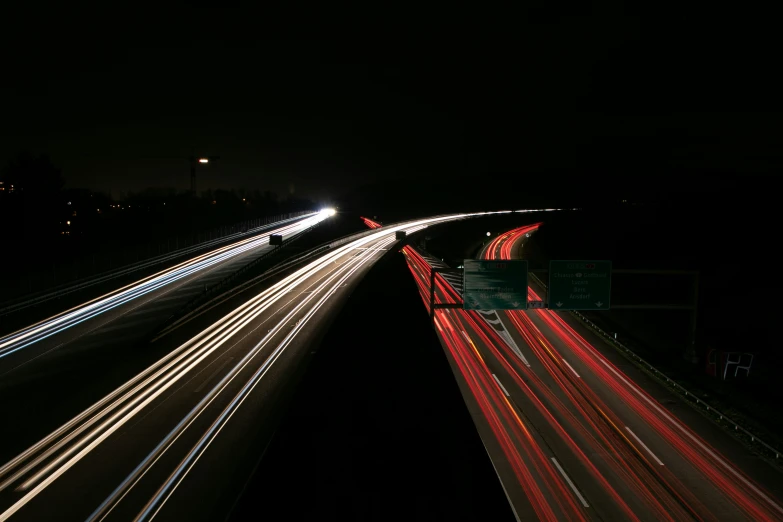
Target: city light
[
  {"x": 203, "y": 160},
  {"x": 329, "y": 211}
]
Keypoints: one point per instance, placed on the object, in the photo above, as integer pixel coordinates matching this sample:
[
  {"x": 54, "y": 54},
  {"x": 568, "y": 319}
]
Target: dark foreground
[{"x": 377, "y": 429}]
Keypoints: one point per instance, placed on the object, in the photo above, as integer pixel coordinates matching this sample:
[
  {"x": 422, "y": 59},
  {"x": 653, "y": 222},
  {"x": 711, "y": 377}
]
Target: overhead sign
[
  {"x": 580, "y": 285},
  {"x": 494, "y": 285}
]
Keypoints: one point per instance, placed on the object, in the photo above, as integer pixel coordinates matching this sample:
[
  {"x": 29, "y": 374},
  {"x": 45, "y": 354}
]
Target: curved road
[
  {"x": 571, "y": 433},
  {"x": 165, "y": 444}
]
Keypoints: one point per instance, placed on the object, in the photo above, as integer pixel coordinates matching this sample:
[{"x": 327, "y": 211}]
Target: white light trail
[
  {"x": 66, "y": 446},
  {"x": 23, "y": 338}
]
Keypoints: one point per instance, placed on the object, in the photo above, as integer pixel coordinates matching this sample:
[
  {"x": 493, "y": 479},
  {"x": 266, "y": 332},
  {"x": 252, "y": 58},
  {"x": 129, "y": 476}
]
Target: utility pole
[{"x": 203, "y": 160}]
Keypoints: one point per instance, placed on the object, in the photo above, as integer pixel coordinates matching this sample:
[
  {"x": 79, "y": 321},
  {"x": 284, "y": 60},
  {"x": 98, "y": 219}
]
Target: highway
[
  {"x": 84, "y": 353},
  {"x": 169, "y": 286},
  {"x": 570, "y": 432},
  {"x": 168, "y": 443}
]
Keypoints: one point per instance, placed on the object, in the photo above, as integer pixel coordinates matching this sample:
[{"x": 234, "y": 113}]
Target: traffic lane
[
  {"x": 221, "y": 472},
  {"x": 583, "y": 438},
  {"x": 759, "y": 470},
  {"x": 142, "y": 313},
  {"x": 234, "y": 441},
  {"x": 129, "y": 445},
  {"x": 705, "y": 497},
  {"x": 523, "y": 510},
  {"x": 618, "y": 455},
  {"x": 89, "y": 364},
  {"x": 170, "y": 296},
  {"x": 122, "y": 276},
  {"x": 14, "y": 345},
  {"x": 598, "y": 471},
  {"x": 685, "y": 472}
]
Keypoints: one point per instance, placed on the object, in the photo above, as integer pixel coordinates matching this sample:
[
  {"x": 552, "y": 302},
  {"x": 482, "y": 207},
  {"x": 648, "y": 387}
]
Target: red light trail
[{"x": 554, "y": 414}]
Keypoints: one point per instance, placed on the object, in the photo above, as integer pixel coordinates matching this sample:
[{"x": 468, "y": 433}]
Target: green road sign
[
  {"x": 580, "y": 285},
  {"x": 494, "y": 285}
]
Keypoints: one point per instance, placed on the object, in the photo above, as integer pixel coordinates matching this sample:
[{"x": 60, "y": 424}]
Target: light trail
[
  {"x": 25, "y": 337},
  {"x": 43, "y": 463},
  {"x": 715, "y": 469},
  {"x": 576, "y": 416}
]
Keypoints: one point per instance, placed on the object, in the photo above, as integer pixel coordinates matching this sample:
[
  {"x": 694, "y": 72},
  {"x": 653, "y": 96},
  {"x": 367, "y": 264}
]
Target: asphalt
[
  {"x": 180, "y": 436},
  {"x": 666, "y": 469},
  {"x": 757, "y": 469},
  {"x": 67, "y": 372},
  {"x": 378, "y": 429}
]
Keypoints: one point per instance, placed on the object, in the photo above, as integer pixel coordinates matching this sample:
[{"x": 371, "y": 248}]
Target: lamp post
[{"x": 201, "y": 160}]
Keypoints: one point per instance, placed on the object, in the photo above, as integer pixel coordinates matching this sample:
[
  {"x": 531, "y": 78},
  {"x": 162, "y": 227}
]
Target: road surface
[
  {"x": 167, "y": 444},
  {"x": 570, "y": 433}
]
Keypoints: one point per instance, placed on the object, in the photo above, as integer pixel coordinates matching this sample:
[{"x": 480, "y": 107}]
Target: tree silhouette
[
  {"x": 34, "y": 174},
  {"x": 37, "y": 203}
]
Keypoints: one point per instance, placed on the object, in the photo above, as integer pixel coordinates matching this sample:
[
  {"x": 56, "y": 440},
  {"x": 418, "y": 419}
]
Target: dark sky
[{"x": 320, "y": 103}]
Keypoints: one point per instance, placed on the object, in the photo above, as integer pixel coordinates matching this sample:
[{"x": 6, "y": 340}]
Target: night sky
[{"x": 317, "y": 105}]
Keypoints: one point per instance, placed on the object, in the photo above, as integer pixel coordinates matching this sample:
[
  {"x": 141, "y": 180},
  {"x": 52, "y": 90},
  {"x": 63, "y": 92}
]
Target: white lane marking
[
  {"x": 568, "y": 479},
  {"x": 507, "y": 337},
  {"x": 679, "y": 426},
  {"x": 510, "y": 341},
  {"x": 644, "y": 446},
  {"x": 501, "y": 385},
  {"x": 571, "y": 367}
]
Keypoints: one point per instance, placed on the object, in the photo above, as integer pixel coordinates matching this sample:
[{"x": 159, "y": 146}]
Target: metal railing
[{"x": 717, "y": 416}]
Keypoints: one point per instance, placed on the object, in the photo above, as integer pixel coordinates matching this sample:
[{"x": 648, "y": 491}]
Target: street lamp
[{"x": 193, "y": 161}]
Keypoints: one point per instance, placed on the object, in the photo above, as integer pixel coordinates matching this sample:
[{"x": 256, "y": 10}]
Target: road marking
[
  {"x": 571, "y": 367},
  {"x": 510, "y": 341},
  {"x": 503, "y": 332},
  {"x": 568, "y": 479},
  {"x": 501, "y": 385},
  {"x": 644, "y": 446},
  {"x": 514, "y": 509},
  {"x": 696, "y": 441}
]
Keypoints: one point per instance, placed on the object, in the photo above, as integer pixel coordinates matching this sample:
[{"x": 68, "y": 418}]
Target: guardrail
[
  {"x": 275, "y": 269},
  {"x": 700, "y": 405},
  {"x": 68, "y": 288},
  {"x": 191, "y": 304},
  {"x": 284, "y": 265}
]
